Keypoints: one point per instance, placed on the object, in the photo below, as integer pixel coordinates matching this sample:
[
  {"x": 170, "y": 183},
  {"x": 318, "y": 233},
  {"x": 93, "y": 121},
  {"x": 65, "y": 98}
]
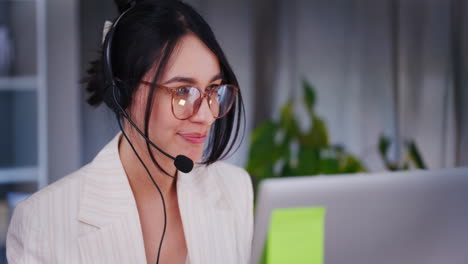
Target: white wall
[
  {"x": 63, "y": 115},
  {"x": 346, "y": 49}
]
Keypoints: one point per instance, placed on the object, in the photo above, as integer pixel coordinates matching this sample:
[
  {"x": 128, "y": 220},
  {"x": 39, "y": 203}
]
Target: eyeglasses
[{"x": 186, "y": 100}]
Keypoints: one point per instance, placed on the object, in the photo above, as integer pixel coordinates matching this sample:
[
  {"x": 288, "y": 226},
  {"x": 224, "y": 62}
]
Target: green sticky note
[{"x": 296, "y": 235}]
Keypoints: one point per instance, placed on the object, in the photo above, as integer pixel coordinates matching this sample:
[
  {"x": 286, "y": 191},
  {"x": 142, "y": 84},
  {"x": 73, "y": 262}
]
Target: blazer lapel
[
  {"x": 111, "y": 230},
  {"x": 207, "y": 218}
]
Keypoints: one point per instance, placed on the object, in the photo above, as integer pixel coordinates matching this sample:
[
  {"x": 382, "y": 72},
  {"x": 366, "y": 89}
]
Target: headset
[{"x": 181, "y": 162}]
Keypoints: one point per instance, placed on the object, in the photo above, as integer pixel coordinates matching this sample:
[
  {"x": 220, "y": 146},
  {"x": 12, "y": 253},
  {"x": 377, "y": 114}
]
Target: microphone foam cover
[{"x": 183, "y": 163}]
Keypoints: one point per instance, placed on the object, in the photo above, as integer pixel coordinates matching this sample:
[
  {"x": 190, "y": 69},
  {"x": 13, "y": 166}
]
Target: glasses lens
[
  {"x": 187, "y": 99},
  {"x": 222, "y": 99},
  {"x": 184, "y": 102}
]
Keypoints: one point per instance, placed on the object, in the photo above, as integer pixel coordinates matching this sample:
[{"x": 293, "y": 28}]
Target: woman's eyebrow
[
  {"x": 181, "y": 79},
  {"x": 190, "y": 80},
  {"x": 216, "y": 77}
]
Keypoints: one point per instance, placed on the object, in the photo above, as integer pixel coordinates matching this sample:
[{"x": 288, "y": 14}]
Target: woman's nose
[{"x": 204, "y": 114}]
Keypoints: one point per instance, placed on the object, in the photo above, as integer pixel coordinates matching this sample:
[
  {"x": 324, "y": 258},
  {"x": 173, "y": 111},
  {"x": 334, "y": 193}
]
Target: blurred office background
[{"x": 393, "y": 67}]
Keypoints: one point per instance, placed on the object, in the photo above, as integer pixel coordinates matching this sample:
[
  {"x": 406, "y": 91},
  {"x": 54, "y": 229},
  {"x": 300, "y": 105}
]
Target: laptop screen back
[{"x": 401, "y": 217}]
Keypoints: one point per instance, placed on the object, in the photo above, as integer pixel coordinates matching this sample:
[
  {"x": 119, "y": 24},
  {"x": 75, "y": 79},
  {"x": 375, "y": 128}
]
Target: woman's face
[{"x": 192, "y": 63}]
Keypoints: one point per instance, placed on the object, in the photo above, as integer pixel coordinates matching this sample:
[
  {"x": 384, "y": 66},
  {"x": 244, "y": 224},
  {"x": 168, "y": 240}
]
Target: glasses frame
[{"x": 203, "y": 94}]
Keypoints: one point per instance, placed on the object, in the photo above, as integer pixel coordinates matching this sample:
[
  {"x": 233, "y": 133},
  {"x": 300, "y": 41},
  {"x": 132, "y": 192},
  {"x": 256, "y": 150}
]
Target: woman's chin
[
  {"x": 195, "y": 156},
  {"x": 193, "y": 151}
]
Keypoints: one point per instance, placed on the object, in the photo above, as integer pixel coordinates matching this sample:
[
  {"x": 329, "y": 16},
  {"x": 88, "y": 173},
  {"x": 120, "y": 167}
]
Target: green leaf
[
  {"x": 351, "y": 164},
  {"x": 308, "y": 162},
  {"x": 264, "y": 172},
  {"x": 286, "y": 113},
  {"x": 263, "y": 151},
  {"x": 317, "y": 137},
  {"x": 415, "y": 155},
  {"x": 288, "y": 123},
  {"x": 329, "y": 166},
  {"x": 384, "y": 144},
  {"x": 287, "y": 170},
  {"x": 309, "y": 96}
]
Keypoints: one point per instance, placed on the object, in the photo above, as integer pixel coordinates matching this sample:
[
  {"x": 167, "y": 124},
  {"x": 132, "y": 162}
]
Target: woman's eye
[
  {"x": 213, "y": 87},
  {"x": 183, "y": 91}
]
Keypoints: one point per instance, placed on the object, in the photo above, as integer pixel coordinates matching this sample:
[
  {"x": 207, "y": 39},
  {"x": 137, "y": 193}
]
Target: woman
[{"x": 164, "y": 75}]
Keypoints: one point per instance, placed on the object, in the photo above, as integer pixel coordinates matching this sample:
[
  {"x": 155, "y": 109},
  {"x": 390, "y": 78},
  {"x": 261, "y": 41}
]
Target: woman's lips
[{"x": 194, "y": 138}]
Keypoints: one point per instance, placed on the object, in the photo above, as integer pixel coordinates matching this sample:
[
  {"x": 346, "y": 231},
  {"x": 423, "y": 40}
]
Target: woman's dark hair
[{"x": 146, "y": 37}]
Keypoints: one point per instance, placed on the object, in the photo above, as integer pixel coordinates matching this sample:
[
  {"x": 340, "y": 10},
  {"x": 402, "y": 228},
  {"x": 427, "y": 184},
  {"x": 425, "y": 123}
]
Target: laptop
[{"x": 410, "y": 217}]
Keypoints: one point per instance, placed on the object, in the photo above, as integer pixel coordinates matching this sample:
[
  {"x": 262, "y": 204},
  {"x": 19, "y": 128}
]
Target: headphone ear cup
[
  {"x": 123, "y": 95},
  {"x": 113, "y": 99},
  {"x": 119, "y": 98}
]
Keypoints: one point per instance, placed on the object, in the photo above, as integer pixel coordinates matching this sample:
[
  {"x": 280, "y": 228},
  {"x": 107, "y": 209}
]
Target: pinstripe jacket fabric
[{"x": 91, "y": 216}]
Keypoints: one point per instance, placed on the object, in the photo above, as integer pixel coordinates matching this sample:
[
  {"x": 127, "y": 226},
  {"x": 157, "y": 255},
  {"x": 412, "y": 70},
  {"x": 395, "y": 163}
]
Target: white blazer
[{"x": 90, "y": 216}]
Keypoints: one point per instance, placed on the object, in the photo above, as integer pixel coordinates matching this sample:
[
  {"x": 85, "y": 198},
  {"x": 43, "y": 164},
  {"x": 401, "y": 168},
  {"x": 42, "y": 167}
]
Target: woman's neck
[{"x": 137, "y": 175}]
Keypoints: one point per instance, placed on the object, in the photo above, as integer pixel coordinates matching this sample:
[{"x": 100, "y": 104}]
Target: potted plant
[{"x": 281, "y": 148}]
